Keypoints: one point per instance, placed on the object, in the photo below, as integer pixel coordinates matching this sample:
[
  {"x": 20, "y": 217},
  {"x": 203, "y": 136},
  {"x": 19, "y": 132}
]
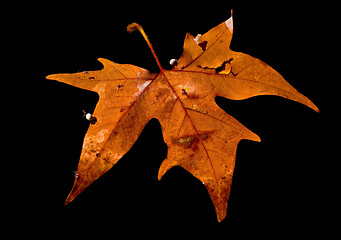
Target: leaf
[{"x": 201, "y": 137}]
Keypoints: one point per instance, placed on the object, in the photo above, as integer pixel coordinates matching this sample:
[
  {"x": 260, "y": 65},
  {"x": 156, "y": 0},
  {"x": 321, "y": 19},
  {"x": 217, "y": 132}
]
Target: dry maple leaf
[{"x": 201, "y": 137}]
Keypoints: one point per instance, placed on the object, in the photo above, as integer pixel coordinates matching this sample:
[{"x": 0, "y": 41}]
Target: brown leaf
[{"x": 200, "y": 136}]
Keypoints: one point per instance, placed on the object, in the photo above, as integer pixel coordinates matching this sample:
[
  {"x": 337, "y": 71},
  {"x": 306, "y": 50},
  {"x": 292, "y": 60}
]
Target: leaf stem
[{"x": 135, "y": 26}]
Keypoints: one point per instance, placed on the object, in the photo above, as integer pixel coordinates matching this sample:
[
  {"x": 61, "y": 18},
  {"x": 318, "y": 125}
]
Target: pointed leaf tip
[
  {"x": 50, "y": 77},
  {"x": 315, "y": 108},
  {"x": 54, "y": 77},
  {"x": 70, "y": 198},
  {"x": 256, "y": 138},
  {"x": 229, "y": 24}
]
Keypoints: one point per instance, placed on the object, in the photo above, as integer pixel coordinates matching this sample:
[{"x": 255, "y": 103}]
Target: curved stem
[{"x": 135, "y": 26}]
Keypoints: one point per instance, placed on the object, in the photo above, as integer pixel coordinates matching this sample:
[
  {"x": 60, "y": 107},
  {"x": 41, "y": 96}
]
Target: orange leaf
[{"x": 200, "y": 136}]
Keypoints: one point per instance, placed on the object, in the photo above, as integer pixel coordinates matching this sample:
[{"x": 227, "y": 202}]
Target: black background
[{"x": 279, "y": 186}]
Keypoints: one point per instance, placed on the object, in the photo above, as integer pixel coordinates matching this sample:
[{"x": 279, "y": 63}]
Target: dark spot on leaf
[
  {"x": 184, "y": 92},
  {"x": 186, "y": 141},
  {"x": 222, "y": 66},
  {"x": 203, "y": 45},
  {"x": 93, "y": 120},
  {"x": 203, "y": 136}
]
